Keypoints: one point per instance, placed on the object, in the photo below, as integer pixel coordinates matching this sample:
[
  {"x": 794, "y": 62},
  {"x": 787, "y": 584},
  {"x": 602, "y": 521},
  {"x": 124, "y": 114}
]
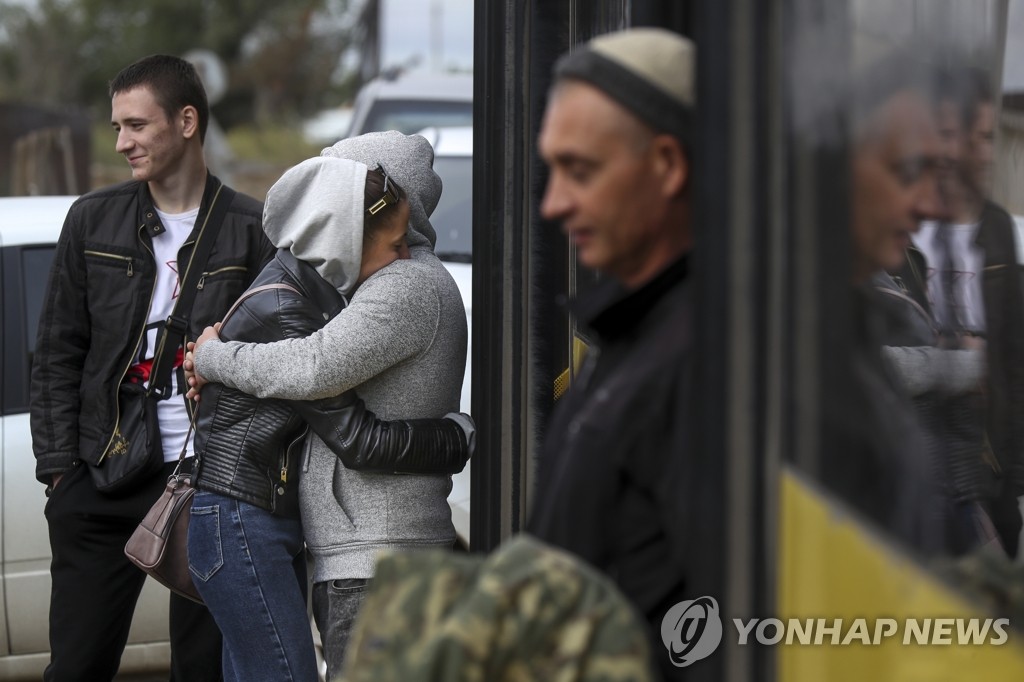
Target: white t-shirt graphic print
[
  {"x": 953, "y": 257},
  {"x": 171, "y": 413}
]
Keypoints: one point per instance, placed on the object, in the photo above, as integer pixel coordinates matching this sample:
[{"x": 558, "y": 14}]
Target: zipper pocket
[
  {"x": 113, "y": 256},
  {"x": 135, "y": 352},
  {"x": 228, "y": 268}
]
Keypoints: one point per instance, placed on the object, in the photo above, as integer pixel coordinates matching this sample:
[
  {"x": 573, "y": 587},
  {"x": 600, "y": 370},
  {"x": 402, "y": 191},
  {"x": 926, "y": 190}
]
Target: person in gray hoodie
[
  {"x": 401, "y": 342},
  {"x": 338, "y": 222}
]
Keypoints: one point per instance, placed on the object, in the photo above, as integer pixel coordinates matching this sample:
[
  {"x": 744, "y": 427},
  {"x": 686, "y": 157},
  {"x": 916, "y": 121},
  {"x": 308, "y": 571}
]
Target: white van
[
  {"x": 453, "y": 222},
  {"x": 412, "y": 100}
]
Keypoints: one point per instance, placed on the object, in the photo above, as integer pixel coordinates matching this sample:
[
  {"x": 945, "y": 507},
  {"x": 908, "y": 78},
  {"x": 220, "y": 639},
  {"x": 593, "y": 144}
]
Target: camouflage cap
[{"x": 525, "y": 612}]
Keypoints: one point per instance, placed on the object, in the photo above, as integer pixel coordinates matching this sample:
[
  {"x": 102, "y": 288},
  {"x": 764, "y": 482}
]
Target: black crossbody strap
[{"x": 177, "y": 321}]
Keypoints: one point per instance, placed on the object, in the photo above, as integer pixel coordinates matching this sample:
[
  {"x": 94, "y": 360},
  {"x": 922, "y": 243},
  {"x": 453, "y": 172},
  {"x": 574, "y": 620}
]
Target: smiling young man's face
[{"x": 153, "y": 144}]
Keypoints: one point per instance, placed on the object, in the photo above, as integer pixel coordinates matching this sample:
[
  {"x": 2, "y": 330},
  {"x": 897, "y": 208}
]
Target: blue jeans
[{"x": 250, "y": 568}]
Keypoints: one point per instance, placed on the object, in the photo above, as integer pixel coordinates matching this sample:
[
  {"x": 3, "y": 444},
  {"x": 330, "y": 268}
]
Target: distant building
[{"x": 43, "y": 151}]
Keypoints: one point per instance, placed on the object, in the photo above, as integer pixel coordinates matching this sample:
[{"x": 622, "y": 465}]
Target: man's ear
[
  {"x": 671, "y": 164},
  {"x": 189, "y": 122}
]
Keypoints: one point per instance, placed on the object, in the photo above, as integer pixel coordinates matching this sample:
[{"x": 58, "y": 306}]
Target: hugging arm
[
  {"x": 365, "y": 443},
  {"x": 353, "y": 433},
  {"x": 921, "y": 369},
  {"x": 389, "y": 321}
]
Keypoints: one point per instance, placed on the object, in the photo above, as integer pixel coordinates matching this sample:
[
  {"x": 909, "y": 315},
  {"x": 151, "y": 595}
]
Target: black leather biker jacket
[
  {"x": 94, "y": 313},
  {"x": 249, "y": 448}
]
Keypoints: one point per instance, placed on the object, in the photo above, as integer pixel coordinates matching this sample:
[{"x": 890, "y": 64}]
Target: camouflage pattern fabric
[{"x": 524, "y": 613}]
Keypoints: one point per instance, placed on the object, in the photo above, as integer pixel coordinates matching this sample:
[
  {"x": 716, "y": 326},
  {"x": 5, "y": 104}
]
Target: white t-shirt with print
[
  {"x": 171, "y": 413},
  {"x": 967, "y": 261}
]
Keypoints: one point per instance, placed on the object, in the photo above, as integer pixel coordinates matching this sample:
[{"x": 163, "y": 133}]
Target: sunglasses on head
[{"x": 390, "y": 197}]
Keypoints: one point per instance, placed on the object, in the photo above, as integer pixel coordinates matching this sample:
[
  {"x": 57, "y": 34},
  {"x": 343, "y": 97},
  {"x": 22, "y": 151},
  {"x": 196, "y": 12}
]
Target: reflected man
[{"x": 963, "y": 268}]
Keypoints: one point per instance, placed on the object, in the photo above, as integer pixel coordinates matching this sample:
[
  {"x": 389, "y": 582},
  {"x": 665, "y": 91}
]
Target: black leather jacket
[
  {"x": 247, "y": 448},
  {"x": 618, "y": 484},
  {"x": 96, "y": 305}
]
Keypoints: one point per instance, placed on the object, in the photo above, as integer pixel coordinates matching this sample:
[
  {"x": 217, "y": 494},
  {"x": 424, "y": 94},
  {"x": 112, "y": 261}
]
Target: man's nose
[
  {"x": 123, "y": 141},
  {"x": 555, "y": 202},
  {"x": 929, "y": 204}
]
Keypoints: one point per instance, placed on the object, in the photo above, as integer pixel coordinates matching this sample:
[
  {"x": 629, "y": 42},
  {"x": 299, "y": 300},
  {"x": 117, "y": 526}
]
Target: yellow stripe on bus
[{"x": 833, "y": 566}]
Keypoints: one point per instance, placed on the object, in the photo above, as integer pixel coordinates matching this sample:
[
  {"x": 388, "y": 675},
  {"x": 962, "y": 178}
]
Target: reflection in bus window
[
  {"x": 926, "y": 438},
  {"x": 894, "y": 157}
]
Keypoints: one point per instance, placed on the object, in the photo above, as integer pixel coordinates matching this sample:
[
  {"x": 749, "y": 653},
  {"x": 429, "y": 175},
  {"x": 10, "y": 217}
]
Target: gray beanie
[
  {"x": 649, "y": 71},
  {"x": 409, "y": 159}
]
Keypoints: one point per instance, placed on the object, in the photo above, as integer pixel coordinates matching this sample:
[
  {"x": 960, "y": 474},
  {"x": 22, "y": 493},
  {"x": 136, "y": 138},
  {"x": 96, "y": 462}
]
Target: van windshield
[{"x": 410, "y": 116}]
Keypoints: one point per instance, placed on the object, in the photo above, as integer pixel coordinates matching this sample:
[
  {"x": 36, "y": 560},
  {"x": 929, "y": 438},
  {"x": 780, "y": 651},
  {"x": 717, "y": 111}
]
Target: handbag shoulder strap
[
  {"x": 249, "y": 293},
  {"x": 177, "y": 321},
  {"x": 255, "y": 290}
]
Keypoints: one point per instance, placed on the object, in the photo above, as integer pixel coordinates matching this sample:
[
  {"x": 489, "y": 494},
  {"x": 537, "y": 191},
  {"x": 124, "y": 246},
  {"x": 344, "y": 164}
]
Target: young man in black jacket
[{"x": 115, "y": 276}]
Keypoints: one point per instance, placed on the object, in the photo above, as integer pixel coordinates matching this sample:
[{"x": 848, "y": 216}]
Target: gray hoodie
[
  {"x": 315, "y": 210},
  {"x": 401, "y": 343}
]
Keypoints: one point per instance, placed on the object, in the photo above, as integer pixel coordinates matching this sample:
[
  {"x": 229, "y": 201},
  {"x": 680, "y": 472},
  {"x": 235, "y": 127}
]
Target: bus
[{"x": 782, "y": 551}]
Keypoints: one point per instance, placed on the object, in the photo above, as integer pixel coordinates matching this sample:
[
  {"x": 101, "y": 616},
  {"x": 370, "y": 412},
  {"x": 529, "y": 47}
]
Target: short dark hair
[
  {"x": 174, "y": 82},
  {"x": 371, "y": 195},
  {"x": 977, "y": 91},
  {"x": 900, "y": 71}
]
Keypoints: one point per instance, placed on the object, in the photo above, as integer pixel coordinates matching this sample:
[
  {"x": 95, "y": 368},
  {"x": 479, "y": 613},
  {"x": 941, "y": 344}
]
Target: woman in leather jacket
[{"x": 246, "y": 552}]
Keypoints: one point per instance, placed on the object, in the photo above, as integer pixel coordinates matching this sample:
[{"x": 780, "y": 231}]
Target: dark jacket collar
[
  {"x": 993, "y": 238},
  {"x": 611, "y": 309},
  {"x": 150, "y": 220}
]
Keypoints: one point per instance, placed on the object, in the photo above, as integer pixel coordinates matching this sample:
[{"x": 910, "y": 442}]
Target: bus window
[{"x": 907, "y": 353}]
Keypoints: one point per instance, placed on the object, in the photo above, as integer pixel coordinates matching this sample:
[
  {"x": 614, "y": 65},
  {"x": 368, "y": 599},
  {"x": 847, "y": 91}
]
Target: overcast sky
[
  {"x": 1013, "y": 65},
  {"x": 439, "y": 32}
]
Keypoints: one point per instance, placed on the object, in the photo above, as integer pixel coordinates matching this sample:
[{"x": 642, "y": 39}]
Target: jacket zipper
[
  {"x": 286, "y": 457},
  {"x": 135, "y": 352},
  {"x": 228, "y": 268},
  {"x": 279, "y": 486},
  {"x": 114, "y": 256}
]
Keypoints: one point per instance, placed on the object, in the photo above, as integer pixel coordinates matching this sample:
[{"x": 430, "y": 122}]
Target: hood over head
[
  {"x": 409, "y": 159},
  {"x": 315, "y": 210}
]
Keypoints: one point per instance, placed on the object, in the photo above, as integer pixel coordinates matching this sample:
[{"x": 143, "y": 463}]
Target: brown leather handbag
[{"x": 159, "y": 546}]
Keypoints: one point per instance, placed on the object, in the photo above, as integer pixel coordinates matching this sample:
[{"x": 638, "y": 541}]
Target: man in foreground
[{"x": 611, "y": 476}]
